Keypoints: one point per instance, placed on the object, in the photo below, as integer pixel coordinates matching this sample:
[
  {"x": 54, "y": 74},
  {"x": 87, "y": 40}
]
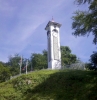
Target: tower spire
[{"x": 52, "y": 19}]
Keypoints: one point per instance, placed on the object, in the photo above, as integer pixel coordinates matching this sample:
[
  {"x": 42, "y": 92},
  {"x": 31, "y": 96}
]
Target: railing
[{"x": 80, "y": 66}]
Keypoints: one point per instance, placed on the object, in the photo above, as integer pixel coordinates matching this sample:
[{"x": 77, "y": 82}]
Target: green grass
[{"x": 51, "y": 85}]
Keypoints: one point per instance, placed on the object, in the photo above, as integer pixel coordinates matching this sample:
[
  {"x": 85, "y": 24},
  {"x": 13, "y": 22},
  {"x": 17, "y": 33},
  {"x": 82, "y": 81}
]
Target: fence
[{"x": 79, "y": 66}]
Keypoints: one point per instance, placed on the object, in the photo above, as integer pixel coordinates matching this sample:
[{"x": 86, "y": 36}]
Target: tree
[
  {"x": 83, "y": 1},
  {"x": 88, "y": 66},
  {"x": 44, "y": 52},
  {"x": 85, "y": 22},
  {"x": 14, "y": 63},
  {"x": 39, "y": 61},
  {"x": 4, "y": 73},
  {"x": 66, "y": 56},
  {"x": 93, "y": 60}
]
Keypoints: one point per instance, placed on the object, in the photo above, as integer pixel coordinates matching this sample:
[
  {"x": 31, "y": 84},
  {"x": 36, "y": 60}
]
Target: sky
[{"x": 23, "y": 22}]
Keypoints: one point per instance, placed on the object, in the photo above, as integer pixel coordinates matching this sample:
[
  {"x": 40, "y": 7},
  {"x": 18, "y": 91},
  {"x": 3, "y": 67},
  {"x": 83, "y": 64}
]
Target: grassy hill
[{"x": 51, "y": 85}]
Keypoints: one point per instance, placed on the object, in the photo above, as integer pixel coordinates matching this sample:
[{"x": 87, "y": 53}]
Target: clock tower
[{"x": 53, "y": 44}]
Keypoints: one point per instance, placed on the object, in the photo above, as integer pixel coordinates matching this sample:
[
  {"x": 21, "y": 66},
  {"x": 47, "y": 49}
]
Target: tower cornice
[{"x": 52, "y": 23}]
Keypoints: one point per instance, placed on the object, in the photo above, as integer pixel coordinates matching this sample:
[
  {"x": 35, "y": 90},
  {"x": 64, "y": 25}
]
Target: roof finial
[{"x": 52, "y": 19}]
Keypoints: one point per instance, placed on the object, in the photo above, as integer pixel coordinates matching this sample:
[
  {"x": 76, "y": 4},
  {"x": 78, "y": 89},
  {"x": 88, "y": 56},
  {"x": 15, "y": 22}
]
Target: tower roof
[{"x": 52, "y": 23}]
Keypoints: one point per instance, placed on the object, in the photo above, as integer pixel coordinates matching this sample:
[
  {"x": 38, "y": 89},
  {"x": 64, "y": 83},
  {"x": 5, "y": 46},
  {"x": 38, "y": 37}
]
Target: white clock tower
[{"x": 53, "y": 42}]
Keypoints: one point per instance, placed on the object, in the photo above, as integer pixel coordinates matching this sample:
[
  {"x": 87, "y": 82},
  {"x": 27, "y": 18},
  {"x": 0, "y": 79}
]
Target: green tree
[
  {"x": 14, "y": 63},
  {"x": 44, "y": 52},
  {"x": 83, "y": 1},
  {"x": 93, "y": 60},
  {"x": 39, "y": 61},
  {"x": 4, "y": 73},
  {"x": 85, "y": 22},
  {"x": 88, "y": 66},
  {"x": 66, "y": 56}
]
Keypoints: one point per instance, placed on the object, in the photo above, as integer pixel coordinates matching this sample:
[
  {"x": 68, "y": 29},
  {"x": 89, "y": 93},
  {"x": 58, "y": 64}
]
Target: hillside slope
[{"x": 51, "y": 85}]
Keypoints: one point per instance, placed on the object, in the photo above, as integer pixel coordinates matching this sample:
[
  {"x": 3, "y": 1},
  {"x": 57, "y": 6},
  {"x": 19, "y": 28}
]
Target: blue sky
[{"x": 22, "y": 24}]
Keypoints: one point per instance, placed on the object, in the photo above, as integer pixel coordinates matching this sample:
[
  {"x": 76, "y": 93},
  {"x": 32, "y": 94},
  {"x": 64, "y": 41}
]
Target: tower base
[{"x": 54, "y": 64}]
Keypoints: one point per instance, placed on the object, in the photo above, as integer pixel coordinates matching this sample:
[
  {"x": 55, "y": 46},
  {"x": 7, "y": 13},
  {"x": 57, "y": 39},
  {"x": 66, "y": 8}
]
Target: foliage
[
  {"x": 14, "y": 60},
  {"x": 39, "y": 61},
  {"x": 85, "y": 22},
  {"x": 51, "y": 85},
  {"x": 93, "y": 60},
  {"x": 83, "y": 1},
  {"x": 88, "y": 66},
  {"x": 4, "y": 73},
  {"x": 66, "y": 56},
  {"x": 92, "y": 65},
  {"x": 14, "y": 64}
]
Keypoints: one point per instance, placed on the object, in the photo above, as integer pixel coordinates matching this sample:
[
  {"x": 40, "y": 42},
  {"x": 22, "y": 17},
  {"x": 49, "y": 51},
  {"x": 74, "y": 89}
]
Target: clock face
[{"x": 55, "y": 34}]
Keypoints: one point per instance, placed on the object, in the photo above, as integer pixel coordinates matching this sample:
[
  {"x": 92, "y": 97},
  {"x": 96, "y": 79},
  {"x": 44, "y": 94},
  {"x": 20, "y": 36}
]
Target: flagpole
[
  {"x": 26, "y": 66},
  {"x": 31, "y": 66},
  {"x": 20, "y": 69},
  {"x": 20, "y": 64}
]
